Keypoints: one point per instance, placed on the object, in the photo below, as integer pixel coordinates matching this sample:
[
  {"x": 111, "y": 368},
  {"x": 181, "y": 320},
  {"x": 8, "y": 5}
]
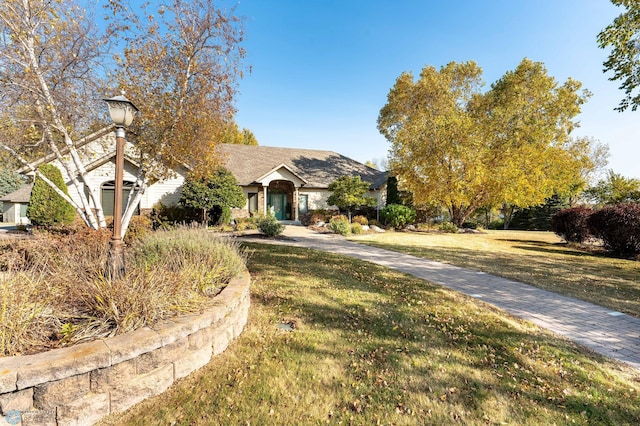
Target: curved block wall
[{"x": 81, "y": 384}]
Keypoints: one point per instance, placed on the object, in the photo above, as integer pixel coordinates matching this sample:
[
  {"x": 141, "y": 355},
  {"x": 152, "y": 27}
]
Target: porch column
[
  {"x": 296, "y": 203},
  {"x": 264, "y": 200}
]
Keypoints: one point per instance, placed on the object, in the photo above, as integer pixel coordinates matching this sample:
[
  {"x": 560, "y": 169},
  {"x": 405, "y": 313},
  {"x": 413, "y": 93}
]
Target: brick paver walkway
[{"x": 609, "y": 333}]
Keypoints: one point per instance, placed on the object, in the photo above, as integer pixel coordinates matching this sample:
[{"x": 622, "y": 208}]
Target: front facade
[
  {"x": 289, "y": 182},
  {"x": 97, "y": 153},
  {"x": 283, "y": 181}
]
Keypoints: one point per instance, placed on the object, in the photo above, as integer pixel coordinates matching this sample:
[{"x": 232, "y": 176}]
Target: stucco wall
[
  {"x": 317, "y": 198},
  {"x": 81, "y": 384}
]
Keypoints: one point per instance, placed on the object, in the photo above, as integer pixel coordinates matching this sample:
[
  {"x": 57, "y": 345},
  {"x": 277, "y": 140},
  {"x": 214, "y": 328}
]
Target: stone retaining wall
[{"x": 81, "y": 384}]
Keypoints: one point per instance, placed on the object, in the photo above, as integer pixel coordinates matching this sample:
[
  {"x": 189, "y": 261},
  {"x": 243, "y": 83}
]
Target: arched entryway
[
  {"x": 107, "y": 192},
  {"x": 280, "y": 199}
]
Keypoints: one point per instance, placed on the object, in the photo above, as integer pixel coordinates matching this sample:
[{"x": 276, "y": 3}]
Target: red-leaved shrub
[
  {"x": 571, "y": 224},
  {"x": 619, "y": 228}
]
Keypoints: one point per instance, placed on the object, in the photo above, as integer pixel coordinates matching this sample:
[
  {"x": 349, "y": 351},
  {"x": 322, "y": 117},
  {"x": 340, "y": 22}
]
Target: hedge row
[{"x": 618, "y": 226}]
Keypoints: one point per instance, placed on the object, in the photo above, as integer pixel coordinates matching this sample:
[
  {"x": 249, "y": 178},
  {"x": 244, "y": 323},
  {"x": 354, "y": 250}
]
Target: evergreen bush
[
  {"x": 448, "y": 227},
  {"x": 164, "y": 217},
  {"x": 9, "y": 181},
  {"x": 496, "y": 224},
  {"x": 269, "y": 225},
  {"x": 46, "y": 208},
  {"x": 397, "y": 215}
]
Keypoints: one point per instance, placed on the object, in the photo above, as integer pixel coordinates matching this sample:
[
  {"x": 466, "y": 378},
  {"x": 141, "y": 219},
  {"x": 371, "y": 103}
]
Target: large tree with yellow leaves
[{"x": 461, "y": 148}]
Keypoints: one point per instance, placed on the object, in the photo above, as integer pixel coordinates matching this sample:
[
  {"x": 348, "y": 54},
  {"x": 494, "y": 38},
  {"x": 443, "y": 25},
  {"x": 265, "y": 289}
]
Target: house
[
  {"x": 97, "y": 152},
  {"x": 286, "y": 181},
  {"x": 14, "y": 205},
  {"x": 289, "y": 181}
]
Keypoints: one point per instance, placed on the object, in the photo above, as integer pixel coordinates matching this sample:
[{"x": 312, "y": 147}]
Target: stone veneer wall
[{"x": 81, "y": 384}]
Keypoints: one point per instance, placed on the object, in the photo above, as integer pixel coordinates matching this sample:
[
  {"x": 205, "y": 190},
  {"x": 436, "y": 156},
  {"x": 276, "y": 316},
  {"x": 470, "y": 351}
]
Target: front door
[{"x": 278, "y": 204}]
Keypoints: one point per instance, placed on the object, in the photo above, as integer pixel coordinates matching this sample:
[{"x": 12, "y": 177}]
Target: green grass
[
  {"x": 536, "y": 258},
  {"x": 372, "y": 346}
]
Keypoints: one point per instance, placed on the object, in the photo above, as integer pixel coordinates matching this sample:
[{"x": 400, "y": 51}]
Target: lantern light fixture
[{"x": 121, "y": 110}]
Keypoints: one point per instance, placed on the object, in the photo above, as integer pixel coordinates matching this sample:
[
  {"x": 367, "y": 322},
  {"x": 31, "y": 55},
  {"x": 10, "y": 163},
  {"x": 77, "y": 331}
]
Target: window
[
  {"x": 253, "y": 202},
  {"x": 303, "y": 203},
  {"x": 108, "y": 192}
]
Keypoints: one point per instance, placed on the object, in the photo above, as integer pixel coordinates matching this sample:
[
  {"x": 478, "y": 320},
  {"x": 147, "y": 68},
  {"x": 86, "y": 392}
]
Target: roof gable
[
  {"x": 21, "y": 195},
  {"x": 279, "y": 172},
  {"x": 250, "y": 163},
  {"x": 80, "y": 143}
]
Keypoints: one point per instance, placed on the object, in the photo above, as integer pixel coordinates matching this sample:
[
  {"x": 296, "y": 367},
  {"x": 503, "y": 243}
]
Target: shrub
[
  {"x": 397, "y": 216},
  {"x": 619, "y": 228},
  {"x": 47, "y": 208},
  {"x": 243, "y": 223},
  {"x": 571, "y": 224},
  {"x": 356, "y": 228},
  {"x": 138, "y": 228},
  {"x": 362, "y": 220},
  {"x": 496, "y": 224},
  {"x": 313, "y": 217},
  {"x": 206, "y": 261},
  {"x": 340, "y": 225},
  {"x": 269, "y": 225},
  {"x": 448, "y": 227},
  {"x": 167, "y": 216}
]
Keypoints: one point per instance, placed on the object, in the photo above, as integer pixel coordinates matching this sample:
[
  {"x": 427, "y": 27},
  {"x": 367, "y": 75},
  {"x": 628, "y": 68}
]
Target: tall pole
[
  {"x": 121, "y": 111},
  {"x": 116, "y": 250}
]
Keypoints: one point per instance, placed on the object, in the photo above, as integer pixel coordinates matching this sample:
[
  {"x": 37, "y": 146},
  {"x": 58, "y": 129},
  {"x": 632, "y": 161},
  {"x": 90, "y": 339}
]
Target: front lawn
[
  {"x": 536, "y": 258},
  {"x": 336, "y": 340}
]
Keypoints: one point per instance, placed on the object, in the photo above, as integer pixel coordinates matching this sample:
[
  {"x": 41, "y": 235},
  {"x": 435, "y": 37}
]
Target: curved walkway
[{"x": 612, "y": 334}]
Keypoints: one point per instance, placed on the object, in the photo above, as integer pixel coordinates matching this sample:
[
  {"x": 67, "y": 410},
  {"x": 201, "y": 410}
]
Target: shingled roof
[
  {"x": 21, "y": 195},
  {"x": 317, "y": 168}
]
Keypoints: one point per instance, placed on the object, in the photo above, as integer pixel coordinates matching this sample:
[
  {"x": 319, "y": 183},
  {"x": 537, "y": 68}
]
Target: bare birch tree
[
  {"x": 179, "y": 63},
  {"x": 50, "y": 56}
]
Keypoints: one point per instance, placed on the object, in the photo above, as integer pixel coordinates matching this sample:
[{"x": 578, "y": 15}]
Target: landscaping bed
[{"x": 53, "y": 292}]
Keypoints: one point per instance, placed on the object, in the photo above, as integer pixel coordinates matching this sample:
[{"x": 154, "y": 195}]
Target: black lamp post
[{"x": 122, "y": 111}]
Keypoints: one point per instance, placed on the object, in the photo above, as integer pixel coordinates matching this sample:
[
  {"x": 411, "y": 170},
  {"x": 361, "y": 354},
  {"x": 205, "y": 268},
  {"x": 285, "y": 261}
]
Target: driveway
[{"x": 609, "y": 333}]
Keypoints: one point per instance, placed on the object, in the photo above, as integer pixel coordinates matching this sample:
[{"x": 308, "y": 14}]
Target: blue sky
[{"x": 321, "y": 69}]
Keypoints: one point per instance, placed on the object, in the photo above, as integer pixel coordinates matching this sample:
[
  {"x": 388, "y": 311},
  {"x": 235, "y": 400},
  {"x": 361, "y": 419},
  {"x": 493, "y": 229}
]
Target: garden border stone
[{"x": 80, "y": 384}]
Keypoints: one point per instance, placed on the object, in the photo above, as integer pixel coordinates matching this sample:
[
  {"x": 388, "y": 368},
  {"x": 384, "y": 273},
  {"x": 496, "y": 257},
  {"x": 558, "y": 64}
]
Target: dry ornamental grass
[{"x": 53, "y": 292}]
